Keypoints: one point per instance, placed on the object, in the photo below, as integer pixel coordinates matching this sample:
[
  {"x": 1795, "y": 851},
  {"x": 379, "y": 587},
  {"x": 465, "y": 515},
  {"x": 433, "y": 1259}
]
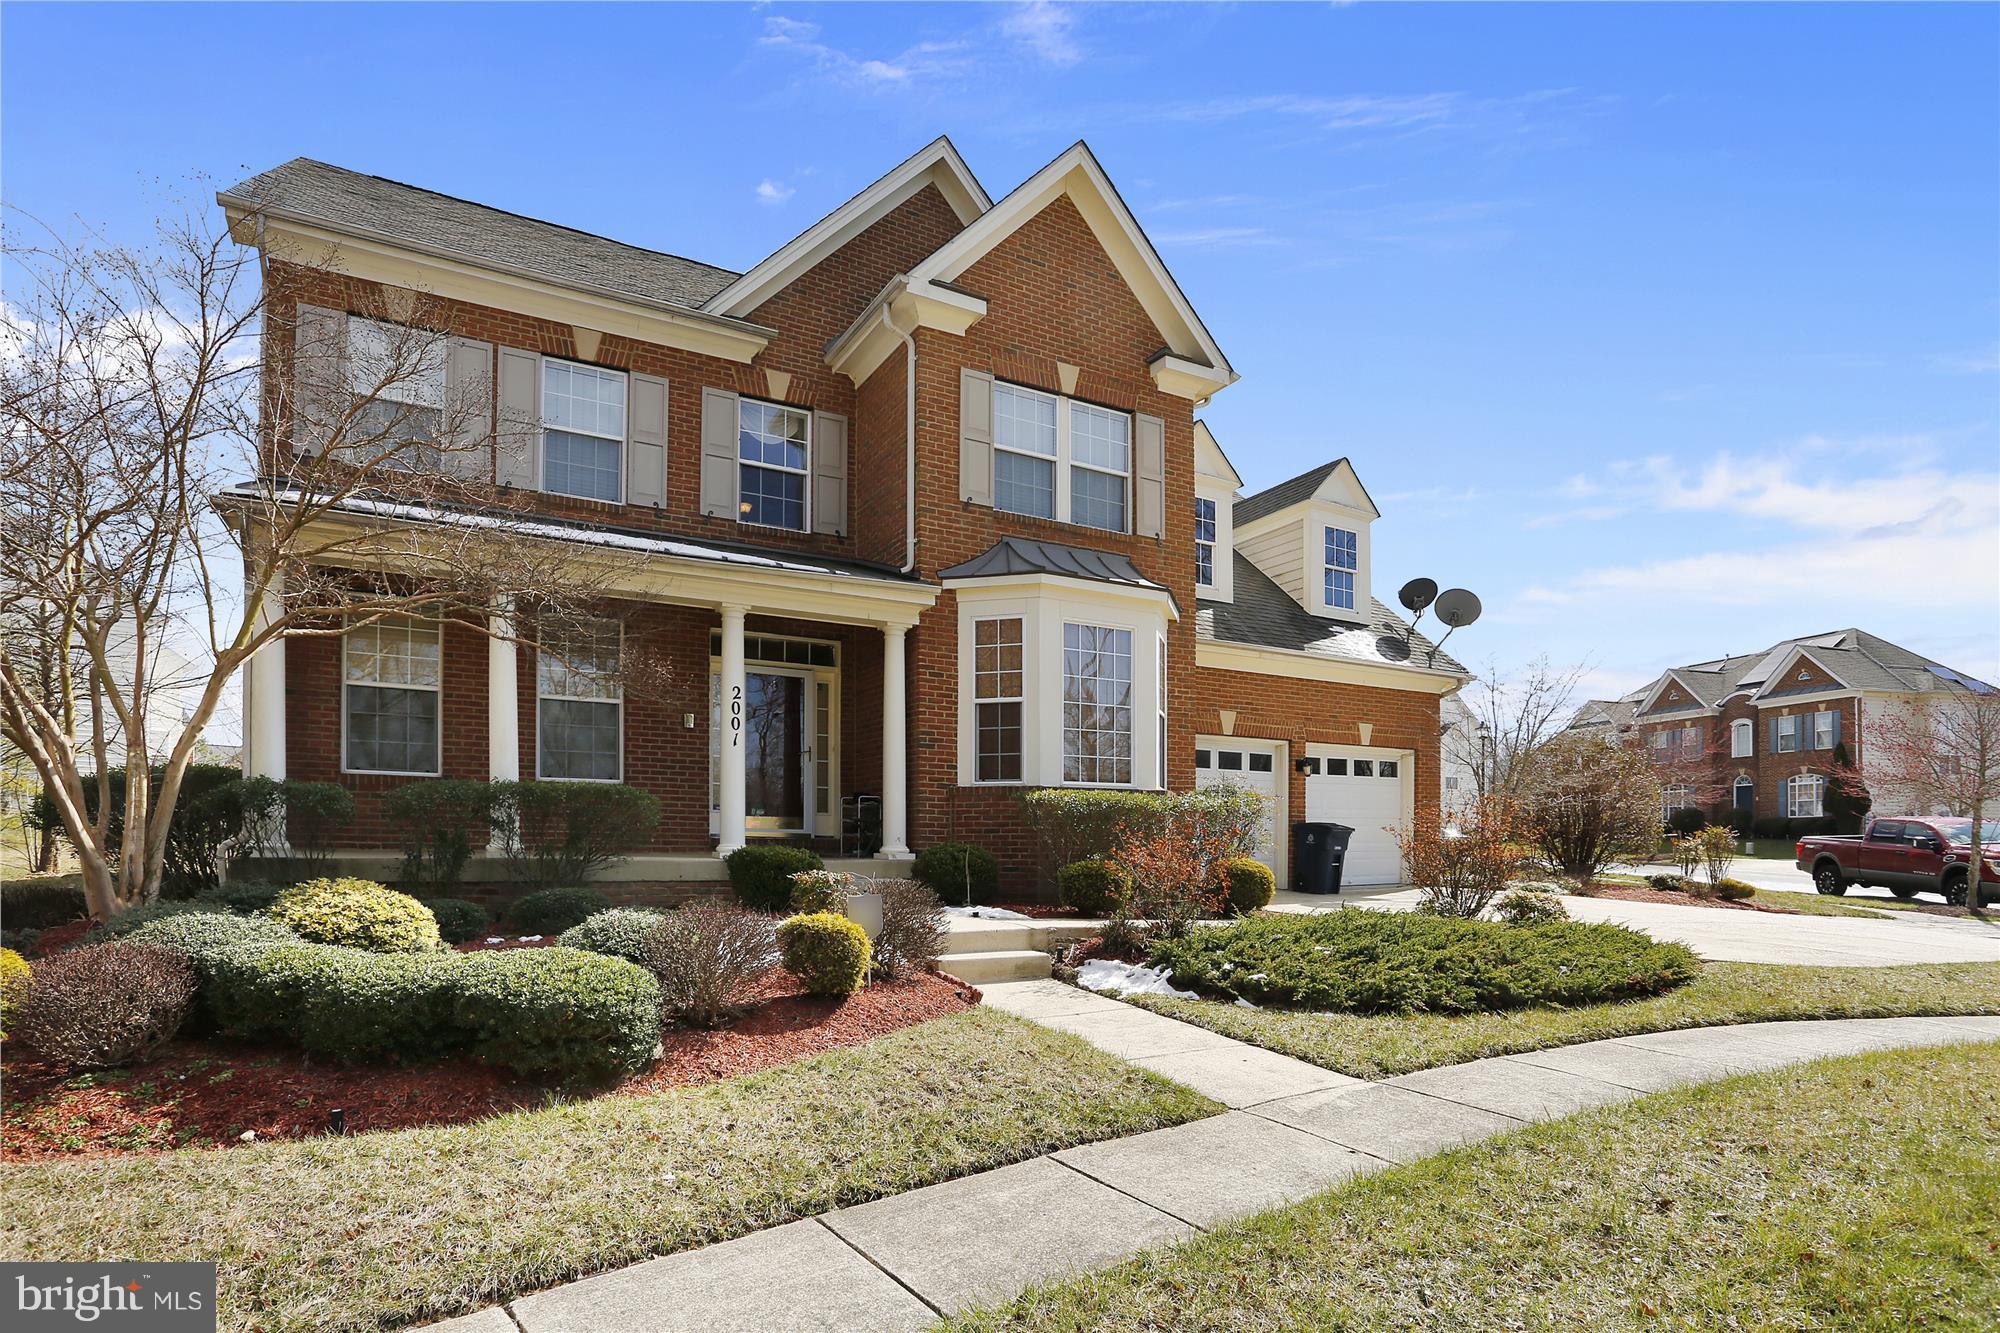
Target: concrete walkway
[{"x": 1293, "y": 1129}]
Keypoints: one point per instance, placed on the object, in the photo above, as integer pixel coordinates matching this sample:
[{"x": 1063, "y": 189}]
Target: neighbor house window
[
  {"x": 583, "y": 430},
  {"x": 1691, "y": 742},
  {"x": 400, "y": 374},
  {"x": 1675, "y": 798},
  {"x": 1058, "y": 458},
  {"x": 1204, "y": 541},
  {"x": 391, "y": 678},
  {"x": 773, "y": 443},
  {"x": 1788, "y": 734},
  {"x": 1097, "y": 704},
  {"x": 1803, "y": 796},
  {"x": 1663, "y": 745},
  {"x": 1741, "y": 739},
  {"x": 1823, "y": 730},
  {"x": 579, "y": 703},
  {"x": 1342, "y": 560},
  {"x": 997, "y": 674}
]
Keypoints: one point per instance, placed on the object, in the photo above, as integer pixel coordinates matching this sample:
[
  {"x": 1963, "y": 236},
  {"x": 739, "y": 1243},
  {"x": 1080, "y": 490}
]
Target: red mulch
[
  {"x": 58, "y": 938},
  {"x": 206, "y": 1094},
  {"x": 1646, "y": 893},
  {"x": 485, "y": 943},
  {"x": 1094, "y": 948}
]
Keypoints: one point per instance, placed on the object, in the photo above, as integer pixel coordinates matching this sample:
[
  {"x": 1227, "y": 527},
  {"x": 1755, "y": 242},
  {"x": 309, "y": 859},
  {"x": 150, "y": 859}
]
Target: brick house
[
  {"x": 1758, "y": 734},
  {"x": 921, "y": 512}
]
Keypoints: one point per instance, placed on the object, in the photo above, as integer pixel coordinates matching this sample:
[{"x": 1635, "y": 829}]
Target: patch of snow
[
  {"x": 1105, "y": 974},
  {"x": 1242, "y": 1003},
  {"x": 988, "y": 913},
  {"x": 529, "y": 939},
  {"x": 496, "y": 939}
]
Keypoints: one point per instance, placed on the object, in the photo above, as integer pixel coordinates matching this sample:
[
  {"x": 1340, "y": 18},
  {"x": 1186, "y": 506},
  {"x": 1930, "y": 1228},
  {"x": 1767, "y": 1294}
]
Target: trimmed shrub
[
  {"x": 1526, "y": 907},
  {"x": 760, "y": 874},
  {"x": 912, "y": 937},
  {"x": 559, "y": 833},
  {"x": 1668, "y": 883},
  {"x": 201, "y": 937},
  {"x": 459, "y": 920},
  {"x": 619, "y": 933},
  {"x": 1095, "y": 886},
  {"x": 208, "y": 814},
  {"x": 241, "y": 895},
  {"x": 820, "y": 890},
  {"x": 358, "y": 913},
  {"x": 109, "y": 1004},
  {"x": 1251, "y": 884},
  {"x": 578, "y": 1017},
  {"x": 1686, "y": 820},
  {"x": 132, "y": 918},
  {"x": 293, "y": 822},
  {"x": 437, "y": 821},
  {"x": 15, "y": 979},
  {"x": 1734, "y": 890},
  {"x": 1071, "y": 826},
  {"x": 702, "y": 953},
  {"x": 958, "y": 872},
  {"x": 827, "y": 953},
  {"x": 37, "y": 904},
  {"x": 552, "y": 911},
  {"x": 1360, "y": 961}
]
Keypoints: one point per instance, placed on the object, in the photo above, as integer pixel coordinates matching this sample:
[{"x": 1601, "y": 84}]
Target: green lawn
[
  {"x": 1384, "y": 1046},
  {"x": 1860, "y": 1193},
  {"x": 1815, "y": 904},
  {"x": 393, "y": 1228}
]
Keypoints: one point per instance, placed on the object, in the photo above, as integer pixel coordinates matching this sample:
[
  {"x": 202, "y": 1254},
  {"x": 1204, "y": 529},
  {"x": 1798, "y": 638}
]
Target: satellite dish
[
  {"x": 1418, "y": 594},
  {"x": 1457, "y": 607}
]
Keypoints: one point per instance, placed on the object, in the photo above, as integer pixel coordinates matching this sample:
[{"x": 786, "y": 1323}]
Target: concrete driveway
[{"x": 1722, "y": 935}]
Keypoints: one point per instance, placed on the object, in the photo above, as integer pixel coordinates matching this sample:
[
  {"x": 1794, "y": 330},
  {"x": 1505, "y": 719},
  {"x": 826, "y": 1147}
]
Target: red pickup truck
[{"x": 1907, "y": 855}]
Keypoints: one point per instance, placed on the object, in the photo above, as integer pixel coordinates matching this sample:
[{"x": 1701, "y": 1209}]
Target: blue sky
[{"x": 1669, "y": 330}]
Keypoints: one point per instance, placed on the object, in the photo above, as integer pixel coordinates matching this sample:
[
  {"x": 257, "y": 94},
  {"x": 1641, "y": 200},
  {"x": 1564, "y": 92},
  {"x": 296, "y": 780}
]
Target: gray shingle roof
[
  {"x": 1862, "y": 660},
  {"x": 1263, "y": 615},
  {"x": 1285, "y": 493},
  {"x": 1023, "y": 555},
  {"x": 353, "y": 203}
]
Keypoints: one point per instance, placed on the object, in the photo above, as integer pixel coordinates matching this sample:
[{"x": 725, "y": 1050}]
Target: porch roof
[{"x": 1023, "y": 555}]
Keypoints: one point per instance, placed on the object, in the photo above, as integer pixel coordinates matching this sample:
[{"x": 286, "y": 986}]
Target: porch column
[
  {"x": 264, "y": 741},
  {"x": 895, "y": 749},
  {"x": 729, "y": 820},
  {"x": 503, "y": 710}
]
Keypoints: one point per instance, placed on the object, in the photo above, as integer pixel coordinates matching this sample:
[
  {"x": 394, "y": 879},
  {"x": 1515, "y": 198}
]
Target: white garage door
[
  {"x": 1252, "y": 764},
  {"x": 1368, "y": 790}
]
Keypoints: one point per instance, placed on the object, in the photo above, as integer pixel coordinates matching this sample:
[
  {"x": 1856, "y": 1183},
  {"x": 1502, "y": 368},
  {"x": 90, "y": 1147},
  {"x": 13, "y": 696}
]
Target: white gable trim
[
  {"x": 1675, "y": 676},
  {"x": 936, "y": 163},
  {"x": 1077, "y": 174},
  {"x": 1777, "y": 676},
  {"x": 1211, "y": 459}
]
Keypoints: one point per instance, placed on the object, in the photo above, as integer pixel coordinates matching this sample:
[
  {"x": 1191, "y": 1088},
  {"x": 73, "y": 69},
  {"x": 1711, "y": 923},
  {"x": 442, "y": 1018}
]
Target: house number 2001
[{"x": 736, "y": 716}]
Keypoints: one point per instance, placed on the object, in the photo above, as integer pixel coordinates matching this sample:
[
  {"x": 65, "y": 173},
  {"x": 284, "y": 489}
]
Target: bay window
[
  {"x": 1059, "y": 458},
  {"x": 391, "y": 681},
  {"x": 997, "y": 673},
  {"x": 1204, "y": 541},
  {"x": 1342, "y": 560},
  {"x": 1097, "y": 704},
  {"x": 579, "y": 704},
  {"x": 1160, "y": 700},
  {"x": 773, "y": 443},
  {"x": 583, "y": 430}
]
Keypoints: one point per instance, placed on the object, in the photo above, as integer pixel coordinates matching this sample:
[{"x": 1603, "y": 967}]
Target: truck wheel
[
  {"x": 1954, "y": 887},
  {"x": 1902, "y": 891},
  {"x": 1826, "y": 878}
]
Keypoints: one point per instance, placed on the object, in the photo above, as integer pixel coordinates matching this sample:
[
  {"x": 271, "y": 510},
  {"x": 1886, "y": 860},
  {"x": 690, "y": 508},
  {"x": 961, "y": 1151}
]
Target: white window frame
[
  {"x": 1742, "y": 738},
  {"x": 1790, "y": 730},
  {"x": 1018, "y": 699},
  {"x": 624, "y": 382},
  {"x": 804, "y": 473},
  {"x": 1675, "y": 796},
  {"x": 1823, "y": 725},
  {"x": 1213, "y": 521},
  {"x": 435, "y": 627},
  {"x": 1801, "y": 788},
  {"x": 1132, "y": 767},
  {"x": 1063, "y": 461},
  {"x": 617, "y": 700},
  {"x": 1330, "y": 550},
  {"x": 369, "y": 346},
  {"x": 1160, "y": 709}
]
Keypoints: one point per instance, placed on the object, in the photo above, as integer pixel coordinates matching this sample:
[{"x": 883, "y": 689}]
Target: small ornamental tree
[
  {"x": 1585, "y": 804},
  {"x": 1942, "y": 755},
  {"x": 1458, "y": 870}
]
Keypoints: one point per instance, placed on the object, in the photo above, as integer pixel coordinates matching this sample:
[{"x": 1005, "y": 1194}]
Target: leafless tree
[
  {"x": 156, "y": 483},
  {"x": 1513, "y": 712},
  {"x": 1585, "y": 804}
]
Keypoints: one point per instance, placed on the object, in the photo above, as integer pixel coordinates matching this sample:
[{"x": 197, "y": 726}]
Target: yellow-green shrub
[
  {"x": 15, "y": 977},
  {"x": 828, "y": 953},
  {"x": 358, "y": 913},
  {"x": 1095, "y": 886},
  {"x": 1251, "y": 884}
]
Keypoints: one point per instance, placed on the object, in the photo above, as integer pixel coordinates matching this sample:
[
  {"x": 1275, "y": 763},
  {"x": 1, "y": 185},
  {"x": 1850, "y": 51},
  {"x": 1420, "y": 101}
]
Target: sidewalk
[{"x": 1292, "y": 1130}]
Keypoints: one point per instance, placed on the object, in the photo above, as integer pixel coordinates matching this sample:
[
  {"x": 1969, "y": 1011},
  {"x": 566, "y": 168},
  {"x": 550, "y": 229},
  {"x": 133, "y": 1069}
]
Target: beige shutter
[
  {"x": 520, "y": 433},
  {"x": 719, "y": 490},
  {"x": 320, "y": 394},
  {"x": 646, "y": 441},
  {"x": 1149, "y": 475},
  {"x": 829, "y": 474},
  {"x": 975, "y": 436},
  {"x": 468, "y": 406}
]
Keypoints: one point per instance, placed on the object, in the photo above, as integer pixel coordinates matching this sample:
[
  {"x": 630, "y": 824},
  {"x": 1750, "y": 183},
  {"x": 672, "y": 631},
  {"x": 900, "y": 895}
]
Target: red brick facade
[{"x": 1715, "y": 773}]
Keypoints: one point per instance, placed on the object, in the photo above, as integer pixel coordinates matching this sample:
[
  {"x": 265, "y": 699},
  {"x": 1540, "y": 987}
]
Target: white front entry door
[
  {"x": 1259, "y": 766},
  {"x": 1369, "y": 791}
]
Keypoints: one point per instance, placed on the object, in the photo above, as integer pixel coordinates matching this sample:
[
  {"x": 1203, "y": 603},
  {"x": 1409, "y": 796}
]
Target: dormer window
[
  {"x": 1204, "y": 541},
  {"x": 1342, "y": 560}
]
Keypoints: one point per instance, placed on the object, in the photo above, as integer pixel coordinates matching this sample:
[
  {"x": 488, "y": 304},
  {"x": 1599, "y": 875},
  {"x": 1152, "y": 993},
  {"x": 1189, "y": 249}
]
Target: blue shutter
[
  {"x": 1836, "y": 727},
  {"x": 1773, "y": 748},
  {"x": 1784, "y": 806}
]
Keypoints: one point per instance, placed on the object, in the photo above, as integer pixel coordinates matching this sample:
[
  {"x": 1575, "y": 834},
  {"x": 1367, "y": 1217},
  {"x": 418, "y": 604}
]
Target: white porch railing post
[
  {"x": 895, "y": 748},
  {"x": 729, "y": 821},
  {"x": 503, "y": 705}
]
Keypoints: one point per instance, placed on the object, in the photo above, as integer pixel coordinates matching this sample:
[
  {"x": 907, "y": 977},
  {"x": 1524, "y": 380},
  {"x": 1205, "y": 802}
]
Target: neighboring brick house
[
  {"x": 922, "y": 496},
  {"x": 1758, "y": 734}
]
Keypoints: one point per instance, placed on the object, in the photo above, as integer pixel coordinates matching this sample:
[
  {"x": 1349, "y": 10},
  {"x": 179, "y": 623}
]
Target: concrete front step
[{"x": 993, "y": 965}]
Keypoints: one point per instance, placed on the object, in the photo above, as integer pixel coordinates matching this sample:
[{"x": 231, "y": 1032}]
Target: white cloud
[
  {"x": 1984, "y": 362},
  {"x": 926, "y": 61},
  {"x": 1219, "y": 236},
  {"x": 1044, "y": 29},
  {"x": 773, "y": 192}
]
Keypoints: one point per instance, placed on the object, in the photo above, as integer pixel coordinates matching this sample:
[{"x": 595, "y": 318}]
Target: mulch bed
[
  {"x": 1042, "y": 911},
  {"x": 1645, "y": 893},
  {"x": 206, "y": 1094},
  {"x": 57, "y": 938}
]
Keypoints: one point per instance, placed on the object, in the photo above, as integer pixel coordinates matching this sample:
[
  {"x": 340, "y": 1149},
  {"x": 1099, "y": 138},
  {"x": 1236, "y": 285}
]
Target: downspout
[{"x": 909, "y": 438}]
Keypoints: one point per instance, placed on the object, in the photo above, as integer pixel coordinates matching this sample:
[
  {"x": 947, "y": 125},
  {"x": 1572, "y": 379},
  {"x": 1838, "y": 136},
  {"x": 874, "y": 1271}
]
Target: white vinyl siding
[
  {"x": 583, "y": 431},
  {"x": 392, "y": 679}
]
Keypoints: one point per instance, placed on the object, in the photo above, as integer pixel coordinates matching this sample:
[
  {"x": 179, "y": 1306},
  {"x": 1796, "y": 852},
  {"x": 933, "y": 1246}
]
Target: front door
[{"x": 777, "y": 750}]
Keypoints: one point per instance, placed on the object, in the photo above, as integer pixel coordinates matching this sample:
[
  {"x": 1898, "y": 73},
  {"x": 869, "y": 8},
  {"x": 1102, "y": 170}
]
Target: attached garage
[
  {"x": 1370, "y": 791},
  {"x": 1259, "y": 766}
]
